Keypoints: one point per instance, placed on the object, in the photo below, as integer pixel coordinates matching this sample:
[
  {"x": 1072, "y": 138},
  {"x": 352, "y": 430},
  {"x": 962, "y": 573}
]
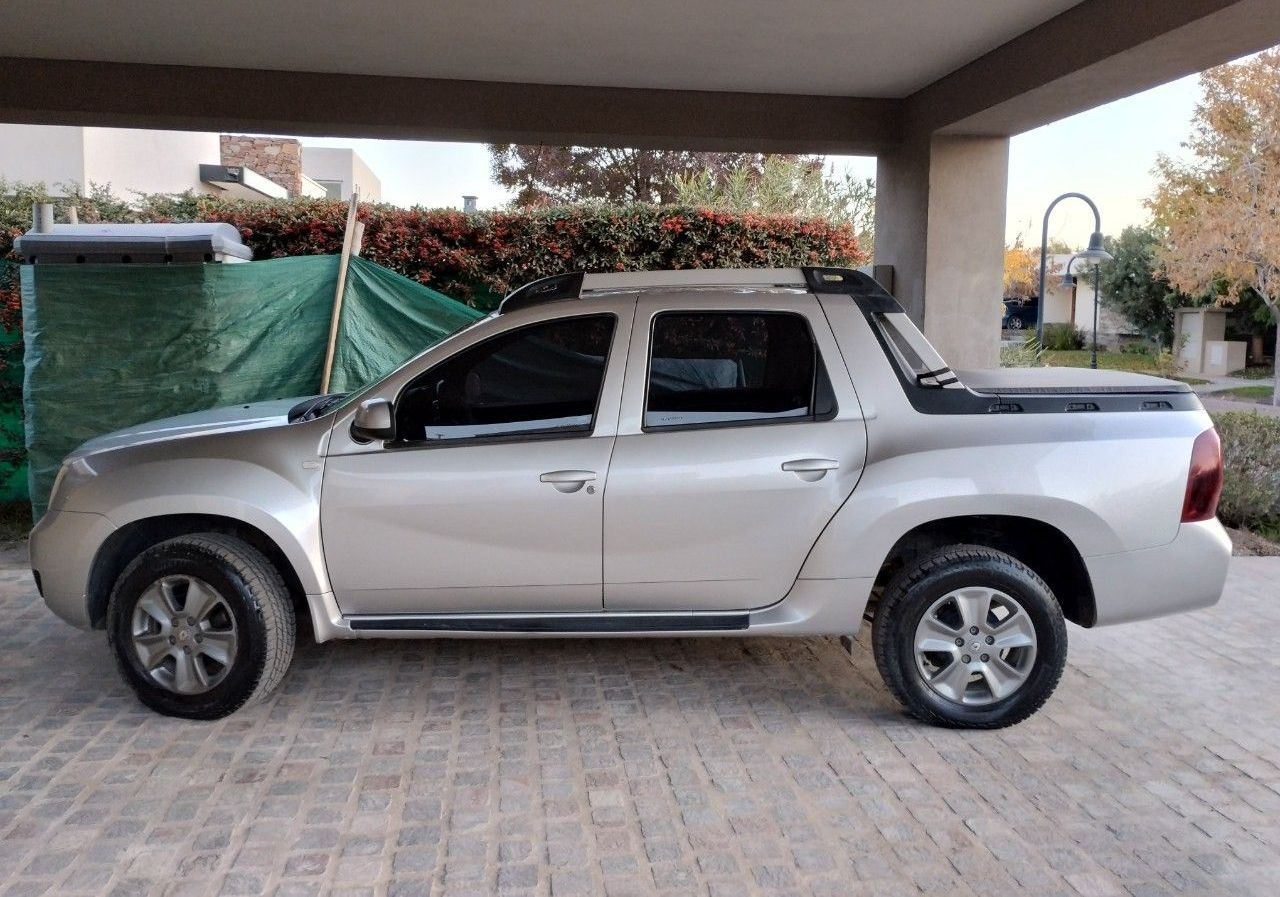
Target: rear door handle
[
  {"x": 568, "y": 480},
  {"x": 810, "y": 469}
]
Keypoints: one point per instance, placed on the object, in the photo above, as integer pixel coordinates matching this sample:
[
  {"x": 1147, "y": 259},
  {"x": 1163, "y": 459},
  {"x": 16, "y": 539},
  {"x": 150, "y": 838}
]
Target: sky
[{"x": 1106, "y": 153}]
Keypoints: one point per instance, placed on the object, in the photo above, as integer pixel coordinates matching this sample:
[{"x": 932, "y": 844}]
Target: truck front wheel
[
  {"x": 969, "y": 637},
  {"x": 201, "y": 625}
]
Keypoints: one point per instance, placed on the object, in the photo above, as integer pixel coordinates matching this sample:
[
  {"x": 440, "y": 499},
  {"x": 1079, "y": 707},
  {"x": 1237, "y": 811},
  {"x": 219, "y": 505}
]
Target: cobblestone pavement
[{"x": 714, "y": 767}]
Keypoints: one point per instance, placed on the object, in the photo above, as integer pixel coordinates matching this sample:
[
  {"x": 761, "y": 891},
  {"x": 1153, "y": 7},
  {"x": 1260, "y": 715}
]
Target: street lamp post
[
  {"x": 1068, "y": 280},
  {"x": 1094, "y": 253}
]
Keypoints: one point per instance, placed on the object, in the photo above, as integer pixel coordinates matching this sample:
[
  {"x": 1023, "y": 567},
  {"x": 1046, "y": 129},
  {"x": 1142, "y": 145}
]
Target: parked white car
[{"x": 767, "y": 452}]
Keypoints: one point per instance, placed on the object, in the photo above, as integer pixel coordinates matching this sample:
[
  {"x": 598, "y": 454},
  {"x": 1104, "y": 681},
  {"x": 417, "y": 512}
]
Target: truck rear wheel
[
  {"x": 969, "y": 637},
  {"x": 201, "y": 625}
]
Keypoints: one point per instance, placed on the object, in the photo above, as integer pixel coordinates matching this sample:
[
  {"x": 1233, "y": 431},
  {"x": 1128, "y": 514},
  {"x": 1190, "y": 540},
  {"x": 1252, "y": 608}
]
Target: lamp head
[{"x": 1095, "y": 254}]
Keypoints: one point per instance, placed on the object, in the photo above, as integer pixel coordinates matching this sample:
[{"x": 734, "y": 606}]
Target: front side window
[
  {"x": 709, "y": 368},
  {"x": 540, "y": 379}
]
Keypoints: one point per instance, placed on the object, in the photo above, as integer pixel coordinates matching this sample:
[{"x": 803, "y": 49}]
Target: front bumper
[
  {"x": 63, "y": 546},
  {"x": 1186, "y": 574}
]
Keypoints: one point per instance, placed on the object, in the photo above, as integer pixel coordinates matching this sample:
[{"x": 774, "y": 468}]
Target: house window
[{"x": 332, "y": 189}]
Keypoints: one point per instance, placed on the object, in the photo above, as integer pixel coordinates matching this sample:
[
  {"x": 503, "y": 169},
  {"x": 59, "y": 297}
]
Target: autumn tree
[
  {"x": 1021, "y": 270},
  {"x": 787, "y": 185},
  {"x": 1022, "y": 267},
  {"x": 1220, "y": 207},
  {"x": 551, "y": 175}
]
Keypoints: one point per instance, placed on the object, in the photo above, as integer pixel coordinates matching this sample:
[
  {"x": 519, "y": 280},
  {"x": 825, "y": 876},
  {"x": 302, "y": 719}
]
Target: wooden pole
[{"x": 348, "y": 239}]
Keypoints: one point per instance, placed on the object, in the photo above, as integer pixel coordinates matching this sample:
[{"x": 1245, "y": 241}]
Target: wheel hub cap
[
  {"x": 975, "y": 646},
  {"x": 184, "y": 634}
]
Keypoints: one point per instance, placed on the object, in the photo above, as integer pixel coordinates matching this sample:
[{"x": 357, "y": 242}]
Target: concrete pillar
[{"x": 940, "y": 205}]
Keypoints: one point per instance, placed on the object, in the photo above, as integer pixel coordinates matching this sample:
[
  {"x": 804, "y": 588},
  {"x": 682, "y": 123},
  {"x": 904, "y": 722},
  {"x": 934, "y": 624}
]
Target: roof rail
[
  {"x": 548, "y": 289},
  {"x": 846, "y": 281}
]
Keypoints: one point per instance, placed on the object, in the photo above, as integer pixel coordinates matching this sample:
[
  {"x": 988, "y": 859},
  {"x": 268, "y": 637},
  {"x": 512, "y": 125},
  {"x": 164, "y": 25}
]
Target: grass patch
[
  {"x": 15, "y": 520},
  {"x": 1133, "y": 362},
  {"x": 1256, "y": 372},
  {"x": 1248, "y": 393}
]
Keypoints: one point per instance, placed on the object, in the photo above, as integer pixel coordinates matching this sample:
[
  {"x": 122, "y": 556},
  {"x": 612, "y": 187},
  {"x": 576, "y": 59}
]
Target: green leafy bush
[
  {"x": 1251, "y": 458},
  {"x": 1060, "y": 337},
  {"x": 478, "y": 258}
]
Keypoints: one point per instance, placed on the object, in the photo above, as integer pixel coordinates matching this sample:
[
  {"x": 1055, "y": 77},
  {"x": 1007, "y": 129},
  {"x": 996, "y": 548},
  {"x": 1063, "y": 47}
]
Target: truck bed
[{"x": 1066, "y": 382}]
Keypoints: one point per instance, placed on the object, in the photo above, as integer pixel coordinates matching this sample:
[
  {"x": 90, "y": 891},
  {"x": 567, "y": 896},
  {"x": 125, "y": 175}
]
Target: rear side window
[
  {"x": 540, "y": 379},
  {"x": 719, "y": 368}
]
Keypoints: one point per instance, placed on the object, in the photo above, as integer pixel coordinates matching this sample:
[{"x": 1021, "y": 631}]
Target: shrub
[
  {"x": 1251, "y": 457},
  {"x": 1062, "y": 337},
  {"x": 1026, "y": 354},
  {"x": 478, "y": 258}
]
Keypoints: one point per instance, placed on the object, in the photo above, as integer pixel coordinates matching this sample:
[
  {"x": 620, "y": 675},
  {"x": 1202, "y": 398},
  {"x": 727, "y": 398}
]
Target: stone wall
[{"x": 278, "y": 159}]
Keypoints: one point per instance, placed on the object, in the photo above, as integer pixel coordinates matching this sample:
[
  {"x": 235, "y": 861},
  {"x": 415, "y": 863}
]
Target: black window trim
[
  {"x": 818, "y": 361},
  {"x": 539, "y": 435}
]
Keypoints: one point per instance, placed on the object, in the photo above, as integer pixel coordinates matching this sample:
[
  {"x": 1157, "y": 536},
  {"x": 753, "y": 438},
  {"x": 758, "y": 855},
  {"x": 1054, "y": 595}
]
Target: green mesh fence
[{"x": 109, "y": 346}]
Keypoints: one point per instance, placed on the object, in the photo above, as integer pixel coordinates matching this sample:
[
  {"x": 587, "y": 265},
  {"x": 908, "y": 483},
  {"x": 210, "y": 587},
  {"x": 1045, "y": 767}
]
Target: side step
[{"x": 567, "y": 624}]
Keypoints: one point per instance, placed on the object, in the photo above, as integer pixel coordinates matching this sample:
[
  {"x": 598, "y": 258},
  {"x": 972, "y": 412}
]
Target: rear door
[{"x": 739, "y": 437}]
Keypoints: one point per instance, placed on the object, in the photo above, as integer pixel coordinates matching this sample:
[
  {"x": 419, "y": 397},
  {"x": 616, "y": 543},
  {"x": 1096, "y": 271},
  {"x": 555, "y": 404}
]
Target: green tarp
[{"x": 109, "y": 346}]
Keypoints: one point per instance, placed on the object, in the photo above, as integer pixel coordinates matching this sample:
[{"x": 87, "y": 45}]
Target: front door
[
  {"x": 740, "y": 437},
  {"x": 489, "y": 499}
]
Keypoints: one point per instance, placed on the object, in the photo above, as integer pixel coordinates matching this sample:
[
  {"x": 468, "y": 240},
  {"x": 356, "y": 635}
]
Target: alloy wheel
[
  {"x": 184, "y": 634},
  {"x": 975, "y": 646}
]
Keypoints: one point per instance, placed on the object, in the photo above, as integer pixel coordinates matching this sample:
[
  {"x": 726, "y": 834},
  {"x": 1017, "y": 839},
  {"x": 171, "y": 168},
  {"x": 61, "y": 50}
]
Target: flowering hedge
[{"x": 477, "y": 258}]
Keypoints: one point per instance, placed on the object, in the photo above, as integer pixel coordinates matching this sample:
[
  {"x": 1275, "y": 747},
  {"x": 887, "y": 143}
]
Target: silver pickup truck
[{"x": 757, "y": 452}]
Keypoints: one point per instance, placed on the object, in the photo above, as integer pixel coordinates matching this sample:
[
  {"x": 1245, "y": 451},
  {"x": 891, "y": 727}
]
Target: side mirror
[{"x": 374, "y": 420}]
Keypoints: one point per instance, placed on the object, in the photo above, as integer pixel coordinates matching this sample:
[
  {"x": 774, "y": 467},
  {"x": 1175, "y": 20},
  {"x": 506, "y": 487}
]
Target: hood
[
  {"x": 234, "y": 418},
  {"x": 1065, "y": 381}
]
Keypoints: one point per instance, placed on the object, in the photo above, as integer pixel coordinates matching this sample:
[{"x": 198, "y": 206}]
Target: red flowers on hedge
[{"x": 477, "y": 258}]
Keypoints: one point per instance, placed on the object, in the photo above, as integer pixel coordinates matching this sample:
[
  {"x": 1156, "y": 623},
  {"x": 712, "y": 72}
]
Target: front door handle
[
  {"x": 810, "y": 469},
  {"x": 568, "y": 480}
]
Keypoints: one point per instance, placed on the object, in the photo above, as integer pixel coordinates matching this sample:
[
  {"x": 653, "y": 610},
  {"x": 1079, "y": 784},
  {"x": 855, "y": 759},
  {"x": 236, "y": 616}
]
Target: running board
[{"x": 567, "y": 624}]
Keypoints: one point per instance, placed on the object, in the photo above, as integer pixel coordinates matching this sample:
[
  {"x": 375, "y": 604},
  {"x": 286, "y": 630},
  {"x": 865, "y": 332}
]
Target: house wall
[
  {"x": 278, "y": 159},
  {"x": 130, "y": 161},
  {"x": 138, "y": 161},
  {"x": 364, "y": 178},
  {"x": 47, "y": 154},
  {"x": 325, "y": 163}
]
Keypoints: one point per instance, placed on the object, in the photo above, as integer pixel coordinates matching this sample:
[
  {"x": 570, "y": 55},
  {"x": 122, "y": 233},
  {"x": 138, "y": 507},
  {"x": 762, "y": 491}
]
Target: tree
[
  {"x": 552, "y": 175},
  {"x": 1022, "y": 266},
  {"x": 786, "y": 185},
  {"x": 1021, "y": 270},
  {"x": 1133, "y": 285},
  {"x": 1219, "y": 207}
]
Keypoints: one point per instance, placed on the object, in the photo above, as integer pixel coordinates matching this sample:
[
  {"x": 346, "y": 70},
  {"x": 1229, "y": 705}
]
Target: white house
[
  {"x": 153, "y": 161},
  {"x": 338, "y": 171},
  {"x": 1074, "y": 304}
]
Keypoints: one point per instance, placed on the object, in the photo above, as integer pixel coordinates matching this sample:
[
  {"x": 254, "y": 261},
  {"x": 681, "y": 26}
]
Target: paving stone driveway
[{"x": 719, "y": 766}]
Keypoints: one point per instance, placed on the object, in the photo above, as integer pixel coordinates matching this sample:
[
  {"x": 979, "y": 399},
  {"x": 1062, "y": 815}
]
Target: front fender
[{"x": 268, "y": 478}]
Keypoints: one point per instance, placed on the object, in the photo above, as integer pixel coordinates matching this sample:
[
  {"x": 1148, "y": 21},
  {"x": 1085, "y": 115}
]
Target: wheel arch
[
  {"x": 1041, "y": 546},
  {"x": 129, "y": 540}
]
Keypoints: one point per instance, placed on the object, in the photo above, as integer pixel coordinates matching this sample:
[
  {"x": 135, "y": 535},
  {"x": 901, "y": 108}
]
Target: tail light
[{"x": 1204, "y": 479}]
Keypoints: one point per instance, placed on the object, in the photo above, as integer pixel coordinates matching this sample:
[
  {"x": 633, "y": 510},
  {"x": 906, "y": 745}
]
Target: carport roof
[
  {"x": 799, "y": 75},
  {"x": 868, "y": 48}
]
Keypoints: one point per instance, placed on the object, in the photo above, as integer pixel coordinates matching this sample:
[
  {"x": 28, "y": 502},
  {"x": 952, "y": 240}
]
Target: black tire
[
  {"x": 1015, "y": 324},
  {"x": 914, "y": 590},
  {"x": 256, "y": 597}
]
